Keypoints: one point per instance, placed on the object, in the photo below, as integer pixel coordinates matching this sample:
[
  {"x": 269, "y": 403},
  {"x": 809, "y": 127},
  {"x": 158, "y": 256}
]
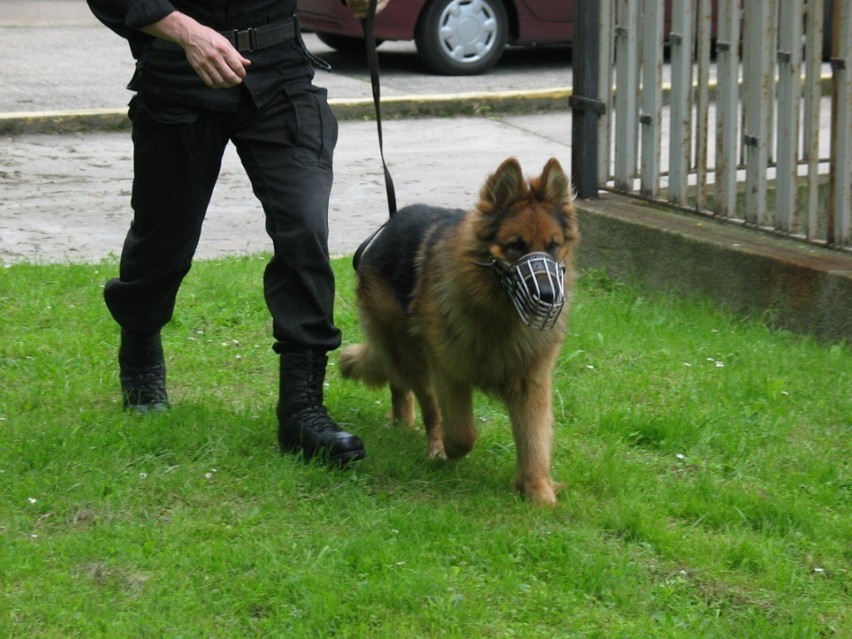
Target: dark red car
[
  {"x": 453, "y": 37},
  {"x": 463, "y": 37}
]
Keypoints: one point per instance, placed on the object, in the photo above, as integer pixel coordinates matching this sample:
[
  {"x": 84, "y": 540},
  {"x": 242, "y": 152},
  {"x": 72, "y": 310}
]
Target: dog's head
[{"x": 527, "y": 230}]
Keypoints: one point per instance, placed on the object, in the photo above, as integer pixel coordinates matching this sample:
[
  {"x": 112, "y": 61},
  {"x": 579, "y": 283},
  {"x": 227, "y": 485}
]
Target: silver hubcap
[{"x": 468, "y": 30}]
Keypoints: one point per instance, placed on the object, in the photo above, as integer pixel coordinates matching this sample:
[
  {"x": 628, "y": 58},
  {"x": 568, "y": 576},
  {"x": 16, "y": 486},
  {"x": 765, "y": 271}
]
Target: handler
[{"x": 209, "y": 72}]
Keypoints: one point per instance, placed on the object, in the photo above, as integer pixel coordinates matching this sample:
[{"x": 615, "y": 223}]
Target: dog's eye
[
  {"x": 553, "y": 247},
  {"x": 518, "y": 246}
]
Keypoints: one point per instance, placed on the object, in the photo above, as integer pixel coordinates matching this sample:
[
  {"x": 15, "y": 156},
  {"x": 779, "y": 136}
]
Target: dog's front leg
[
  {"x": 432, "y": 423},
  {"x": 456, "y": 404},
  {"x": 531, "y": 414}
]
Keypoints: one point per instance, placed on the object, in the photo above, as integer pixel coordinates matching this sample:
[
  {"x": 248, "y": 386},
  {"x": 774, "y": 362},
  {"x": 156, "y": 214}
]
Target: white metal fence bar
[
  {"x": 789, "y": 57},
  {"x": 606, "y": 93},
  {"x": 627, "y": 81},
  {"x": 681, "y": 40},
  {"x": 727, "y": 99},
  {"x": 840, "y": 175},
  {"x": 813, "y": 90},
  {"x": 651, "y": 99},
  {"x": 702, "y": 100},
  {"x": 759, "y": 28}
]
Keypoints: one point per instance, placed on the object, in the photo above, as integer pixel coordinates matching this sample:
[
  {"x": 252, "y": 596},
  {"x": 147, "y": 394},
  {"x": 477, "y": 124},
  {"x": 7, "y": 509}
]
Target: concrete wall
[{"x": 803, "y": 288}]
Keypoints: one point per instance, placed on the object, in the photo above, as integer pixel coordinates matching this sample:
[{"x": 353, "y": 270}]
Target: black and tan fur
[{"x": 438, "y": 324}]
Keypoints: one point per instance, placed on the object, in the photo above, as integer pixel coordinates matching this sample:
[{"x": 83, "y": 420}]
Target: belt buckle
[{"x": 245, "y": 40}]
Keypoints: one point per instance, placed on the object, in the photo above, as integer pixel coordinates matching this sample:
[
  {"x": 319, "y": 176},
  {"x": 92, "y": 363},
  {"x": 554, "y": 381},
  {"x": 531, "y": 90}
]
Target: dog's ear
[
  {"x": 505, "y": 185},
  {"x": 553, "y": 184}
]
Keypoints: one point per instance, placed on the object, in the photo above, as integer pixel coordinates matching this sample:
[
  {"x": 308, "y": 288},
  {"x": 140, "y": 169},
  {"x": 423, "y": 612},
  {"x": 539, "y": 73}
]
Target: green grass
[{"x": 706, "y": 462}]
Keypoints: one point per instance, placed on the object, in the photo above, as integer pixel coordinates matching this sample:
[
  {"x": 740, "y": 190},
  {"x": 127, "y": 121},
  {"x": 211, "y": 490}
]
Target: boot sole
[
  {"x": 340, "y": 459},
  {"x": 144, "y": 409}
]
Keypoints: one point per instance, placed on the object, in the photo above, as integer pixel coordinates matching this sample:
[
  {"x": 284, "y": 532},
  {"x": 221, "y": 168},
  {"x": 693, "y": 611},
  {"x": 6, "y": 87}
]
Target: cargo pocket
[
  {"x": 162, "y": 111},
  {"x": 316, "y": 125},
  {"x": 166, "y": 159}
]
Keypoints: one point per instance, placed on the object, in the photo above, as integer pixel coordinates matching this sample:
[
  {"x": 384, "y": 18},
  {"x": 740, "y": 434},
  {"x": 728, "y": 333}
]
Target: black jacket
[{"x": 167, "y": 75}]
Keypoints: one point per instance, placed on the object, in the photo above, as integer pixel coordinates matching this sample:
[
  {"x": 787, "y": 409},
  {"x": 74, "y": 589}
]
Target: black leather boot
[
  {"x": 304, "y": 425},
  {"x": 142, "y": 372}
]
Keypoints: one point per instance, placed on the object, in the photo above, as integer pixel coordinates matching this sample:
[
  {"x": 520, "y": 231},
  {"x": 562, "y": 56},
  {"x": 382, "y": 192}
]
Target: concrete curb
[
  {"x": 23, "y": 123},
  {"x": 457, "y": 104},
  {"x": 435, "y": 105}
]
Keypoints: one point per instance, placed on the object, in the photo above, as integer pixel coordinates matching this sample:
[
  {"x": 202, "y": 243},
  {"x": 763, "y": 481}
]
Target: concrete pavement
[{"x": 66, "y": 196}]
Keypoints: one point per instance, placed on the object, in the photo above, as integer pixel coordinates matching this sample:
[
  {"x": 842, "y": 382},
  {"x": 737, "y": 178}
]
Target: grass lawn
[{"x": 705, "y": 457}]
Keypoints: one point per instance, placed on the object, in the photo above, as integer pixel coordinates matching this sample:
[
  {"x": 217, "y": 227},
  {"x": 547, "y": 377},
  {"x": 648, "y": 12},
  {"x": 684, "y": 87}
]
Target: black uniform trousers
[{"x": 286, "y": 148}]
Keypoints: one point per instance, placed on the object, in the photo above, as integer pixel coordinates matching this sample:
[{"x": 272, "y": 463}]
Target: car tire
[
  {"x": 345, "y": 44},
  {"x": 462, "y": 37}
]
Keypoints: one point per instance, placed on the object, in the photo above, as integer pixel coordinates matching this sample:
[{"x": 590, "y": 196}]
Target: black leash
[{"x": 368, "y": 25}]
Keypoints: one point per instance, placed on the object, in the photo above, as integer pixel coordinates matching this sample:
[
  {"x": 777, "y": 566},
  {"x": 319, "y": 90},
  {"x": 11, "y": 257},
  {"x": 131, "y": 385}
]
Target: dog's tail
[{"x": 359, "y": 362}]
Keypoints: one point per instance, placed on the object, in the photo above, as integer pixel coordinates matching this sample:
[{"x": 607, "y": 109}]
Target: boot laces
[
  {"x": 316, "y": 418},
  {"x": 146, "y": 385}
]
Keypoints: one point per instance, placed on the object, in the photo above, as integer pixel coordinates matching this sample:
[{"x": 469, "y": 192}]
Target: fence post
[
  {"x": 810, "y": 135},
  {"x": 626, "y": 97},
  {"x": 585, "y": 103},
  {"x": 702, "y": 101},
  {"x": 789, "y": 56},
  {"x": 840, "y": 182},
  {"x": 760, "y": 36},
  {"x": 727, "y": 107},
  {"x": 651, "y": 99},
  {"x": 682, "y": 40}
]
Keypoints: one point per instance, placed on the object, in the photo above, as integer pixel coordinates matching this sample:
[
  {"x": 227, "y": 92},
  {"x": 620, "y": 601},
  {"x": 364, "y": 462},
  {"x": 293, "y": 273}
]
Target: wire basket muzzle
[{"x": 536, "y": 286}]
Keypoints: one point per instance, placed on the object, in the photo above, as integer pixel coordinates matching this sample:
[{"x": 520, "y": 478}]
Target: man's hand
[
  {"x": 362, "y": 7},
  {"x": 211, "y": 55}
]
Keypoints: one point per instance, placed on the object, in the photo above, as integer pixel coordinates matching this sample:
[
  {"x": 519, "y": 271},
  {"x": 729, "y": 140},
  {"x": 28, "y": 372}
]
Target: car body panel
[
  {"x": 396, "y": 22},
  {"x": 548, "y": 11},
  {"x": 538, "y": 21},
  {"x": 530, "y": 21}
]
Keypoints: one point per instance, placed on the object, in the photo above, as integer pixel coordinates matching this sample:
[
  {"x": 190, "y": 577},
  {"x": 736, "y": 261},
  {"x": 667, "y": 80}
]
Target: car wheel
[
  {"x": 462, "y": 37},
  {"x": 344, "y": 44}
]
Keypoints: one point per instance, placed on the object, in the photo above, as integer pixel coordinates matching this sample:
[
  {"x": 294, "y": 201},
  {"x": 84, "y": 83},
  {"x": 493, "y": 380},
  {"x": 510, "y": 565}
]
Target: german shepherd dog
[{"x": 451, "y": 300}]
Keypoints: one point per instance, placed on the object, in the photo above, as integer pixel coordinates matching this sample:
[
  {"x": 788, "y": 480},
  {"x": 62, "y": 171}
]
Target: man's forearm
[
  {"x": 133, "y": 14},
  {"x": 178, "y": 27},
  {"x": 209, "y": 53}
]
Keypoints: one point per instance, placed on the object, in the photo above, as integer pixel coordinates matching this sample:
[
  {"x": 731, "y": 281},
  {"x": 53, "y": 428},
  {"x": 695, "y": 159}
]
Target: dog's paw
[
  {"x": 436, "y": 450},
  {"x": 541, "y": 492},
  {"x": 457, "y": 448}
]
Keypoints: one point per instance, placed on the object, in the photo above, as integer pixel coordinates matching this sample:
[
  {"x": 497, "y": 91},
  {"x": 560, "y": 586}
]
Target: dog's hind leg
[{"x": 402, "y": 406}]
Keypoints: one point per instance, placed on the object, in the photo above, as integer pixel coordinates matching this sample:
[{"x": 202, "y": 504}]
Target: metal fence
[{"x": 732, "y": 108}]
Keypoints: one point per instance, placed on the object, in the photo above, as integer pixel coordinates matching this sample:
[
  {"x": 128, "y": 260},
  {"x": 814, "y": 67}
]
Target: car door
[{"x": 544, "y": 20}]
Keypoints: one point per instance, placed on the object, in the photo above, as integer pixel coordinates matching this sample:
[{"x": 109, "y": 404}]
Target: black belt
[{"x": 250, "y": 39}]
